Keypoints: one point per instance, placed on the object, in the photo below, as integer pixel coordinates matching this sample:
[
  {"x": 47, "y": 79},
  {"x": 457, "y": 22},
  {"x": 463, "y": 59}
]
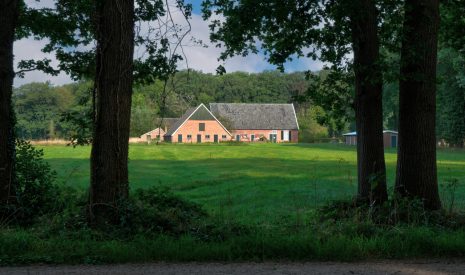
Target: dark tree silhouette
[
  {"x": 9, "y": 11},
  {"x": 368, "y": 102},
  {"x": 113, "y": 90},
  {"x": 416, "y": 163}
]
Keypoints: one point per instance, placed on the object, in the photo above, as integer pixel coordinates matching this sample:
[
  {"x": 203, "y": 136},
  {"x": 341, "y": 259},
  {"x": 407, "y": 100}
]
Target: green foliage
[
  {"x": 35, "y": 191},
  {"x": 452, "y": 32},
  {"x": 391, "y": 106},
  {"x": 155, "y": 210},
  {"x": 451, "y": 97},
  {"x": 395, "y": 212},
  {"x": 333, "y": 91},
  {"x": 159, "y": 210},
  {"x": 70, "y": 29},
  {"x": 310, "y": 130},
  {"x": 79, "y": 118},
  {"x": 324, "y": 241},
  {"x": 284, "y": 29},
  {"x": 38, "y": 107},
  {"x": 450, "y": 187}
]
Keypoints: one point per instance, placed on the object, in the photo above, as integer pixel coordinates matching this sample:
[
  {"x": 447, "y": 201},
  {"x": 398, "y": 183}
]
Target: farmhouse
[
  {"x": 158, "y": 133},
  {"x": 389, "y": 138},
  {"x": 253, "y": 122},
  {"x": 197, "y": 125}
]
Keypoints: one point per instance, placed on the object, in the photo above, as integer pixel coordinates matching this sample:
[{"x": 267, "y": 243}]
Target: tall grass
[{"x": 21, "y": 247}]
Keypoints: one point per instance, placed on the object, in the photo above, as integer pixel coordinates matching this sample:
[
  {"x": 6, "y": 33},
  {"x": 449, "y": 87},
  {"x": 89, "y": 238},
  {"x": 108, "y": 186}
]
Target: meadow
[
  {"x": 250, "y": 183},
  {"x": 264, "y": 203}
]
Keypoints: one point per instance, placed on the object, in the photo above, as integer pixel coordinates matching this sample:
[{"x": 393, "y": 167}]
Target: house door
[
  {"x": 238, "y": 138},
  {"x": 199, "y": 138},
  {"x": 215, "y": 138},
  {"x": 273, "y": 137},
  {"x": 393, "y": 141}
]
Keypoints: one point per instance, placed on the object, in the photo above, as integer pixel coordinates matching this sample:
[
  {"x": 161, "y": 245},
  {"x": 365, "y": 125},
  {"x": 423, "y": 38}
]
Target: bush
[
  {"x": 161, "y": 210},
  {"x": 153, "y": 210},
  {"x": 396, "y": 211},
  {"x": 148, "y": 212},
  {"x": 35, "y": 192}
]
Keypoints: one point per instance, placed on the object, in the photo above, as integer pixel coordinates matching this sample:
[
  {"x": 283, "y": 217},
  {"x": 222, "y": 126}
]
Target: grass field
[
  {"x": 261, "y": 199},
  {"x": 250, "y": 183}
]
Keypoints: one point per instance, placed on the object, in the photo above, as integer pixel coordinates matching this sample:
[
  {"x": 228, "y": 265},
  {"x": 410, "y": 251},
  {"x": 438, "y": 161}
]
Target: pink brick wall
[
  {"x": 191, "y": 127},
  {"x": 153, "y": 134},
  {"x": 245, "y": 135}
]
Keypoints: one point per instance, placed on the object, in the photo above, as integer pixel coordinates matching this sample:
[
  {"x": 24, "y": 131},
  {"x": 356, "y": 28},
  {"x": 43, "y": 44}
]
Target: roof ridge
[{"x": 258, "y": 115}]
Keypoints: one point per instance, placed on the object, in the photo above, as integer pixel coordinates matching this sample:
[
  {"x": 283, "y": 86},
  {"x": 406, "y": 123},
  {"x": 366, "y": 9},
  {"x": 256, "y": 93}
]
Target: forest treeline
[{"x": 41, "y": 107}]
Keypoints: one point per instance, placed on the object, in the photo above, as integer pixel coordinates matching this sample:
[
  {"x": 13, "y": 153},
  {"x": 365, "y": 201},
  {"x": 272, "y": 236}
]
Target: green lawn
[
  {"x": 261, "y": 199},
  {"x": 256, "y": 183}
]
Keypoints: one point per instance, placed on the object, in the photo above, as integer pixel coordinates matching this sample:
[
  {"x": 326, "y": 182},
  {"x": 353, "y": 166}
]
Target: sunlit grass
[{"x": 257, "y": 180}]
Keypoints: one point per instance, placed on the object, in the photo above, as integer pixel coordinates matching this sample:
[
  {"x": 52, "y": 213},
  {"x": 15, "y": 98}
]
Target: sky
[{"x": 198, "y": 57}]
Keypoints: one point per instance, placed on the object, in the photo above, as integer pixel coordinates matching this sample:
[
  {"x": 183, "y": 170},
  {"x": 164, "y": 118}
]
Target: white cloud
[{"x": 206, "y": 58}]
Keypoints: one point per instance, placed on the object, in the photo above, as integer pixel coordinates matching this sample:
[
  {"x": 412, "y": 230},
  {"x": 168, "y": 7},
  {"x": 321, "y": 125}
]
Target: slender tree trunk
[
  {"x": 113, "y": 87},
  {"x": 8, "y": 18},
  {"x": 368, "y": 103},
  {"x": 416, "y": 163}
]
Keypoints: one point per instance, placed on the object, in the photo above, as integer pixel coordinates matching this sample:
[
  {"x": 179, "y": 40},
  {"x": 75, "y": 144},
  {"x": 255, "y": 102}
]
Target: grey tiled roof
[
  {"x": 257, "y": 116},
  {"x": 167, "y": 121},
  {"x": 180, "y": 121}
]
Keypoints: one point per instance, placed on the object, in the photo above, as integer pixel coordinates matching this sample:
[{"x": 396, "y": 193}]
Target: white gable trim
[
  {"x": 295, "y": 116},
  {"x": 184, "y": 122},
  {"x": 217, "y": 120}
]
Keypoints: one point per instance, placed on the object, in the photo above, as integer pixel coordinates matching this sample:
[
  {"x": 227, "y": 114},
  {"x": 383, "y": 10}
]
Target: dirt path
[{"x": 382, "y": 267}]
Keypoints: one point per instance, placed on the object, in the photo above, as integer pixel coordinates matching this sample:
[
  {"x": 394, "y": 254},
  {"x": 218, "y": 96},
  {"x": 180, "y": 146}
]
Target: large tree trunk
[
  {"x": 8, "y": 18},
  {"x": 416, "y": 163},
  {"x": 368, "y": 103},
  {"x": 113, "y": 87}
]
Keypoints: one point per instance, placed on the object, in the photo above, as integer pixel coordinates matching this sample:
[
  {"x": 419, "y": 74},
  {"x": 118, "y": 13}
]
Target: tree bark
[
  {"x": 416, "y": 163},
  {"x": 8, "y": 17},
  {"x": 368, "y": 102},
  {"x": 113, "y": 88}
]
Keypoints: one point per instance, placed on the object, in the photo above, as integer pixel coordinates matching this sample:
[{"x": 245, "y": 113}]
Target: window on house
[
  {"x": 189, "y": 136},
  {"x": 223, "y": 136},
  {"x": 201, "y": 127},
  {"x": 207, "y": 136}
]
